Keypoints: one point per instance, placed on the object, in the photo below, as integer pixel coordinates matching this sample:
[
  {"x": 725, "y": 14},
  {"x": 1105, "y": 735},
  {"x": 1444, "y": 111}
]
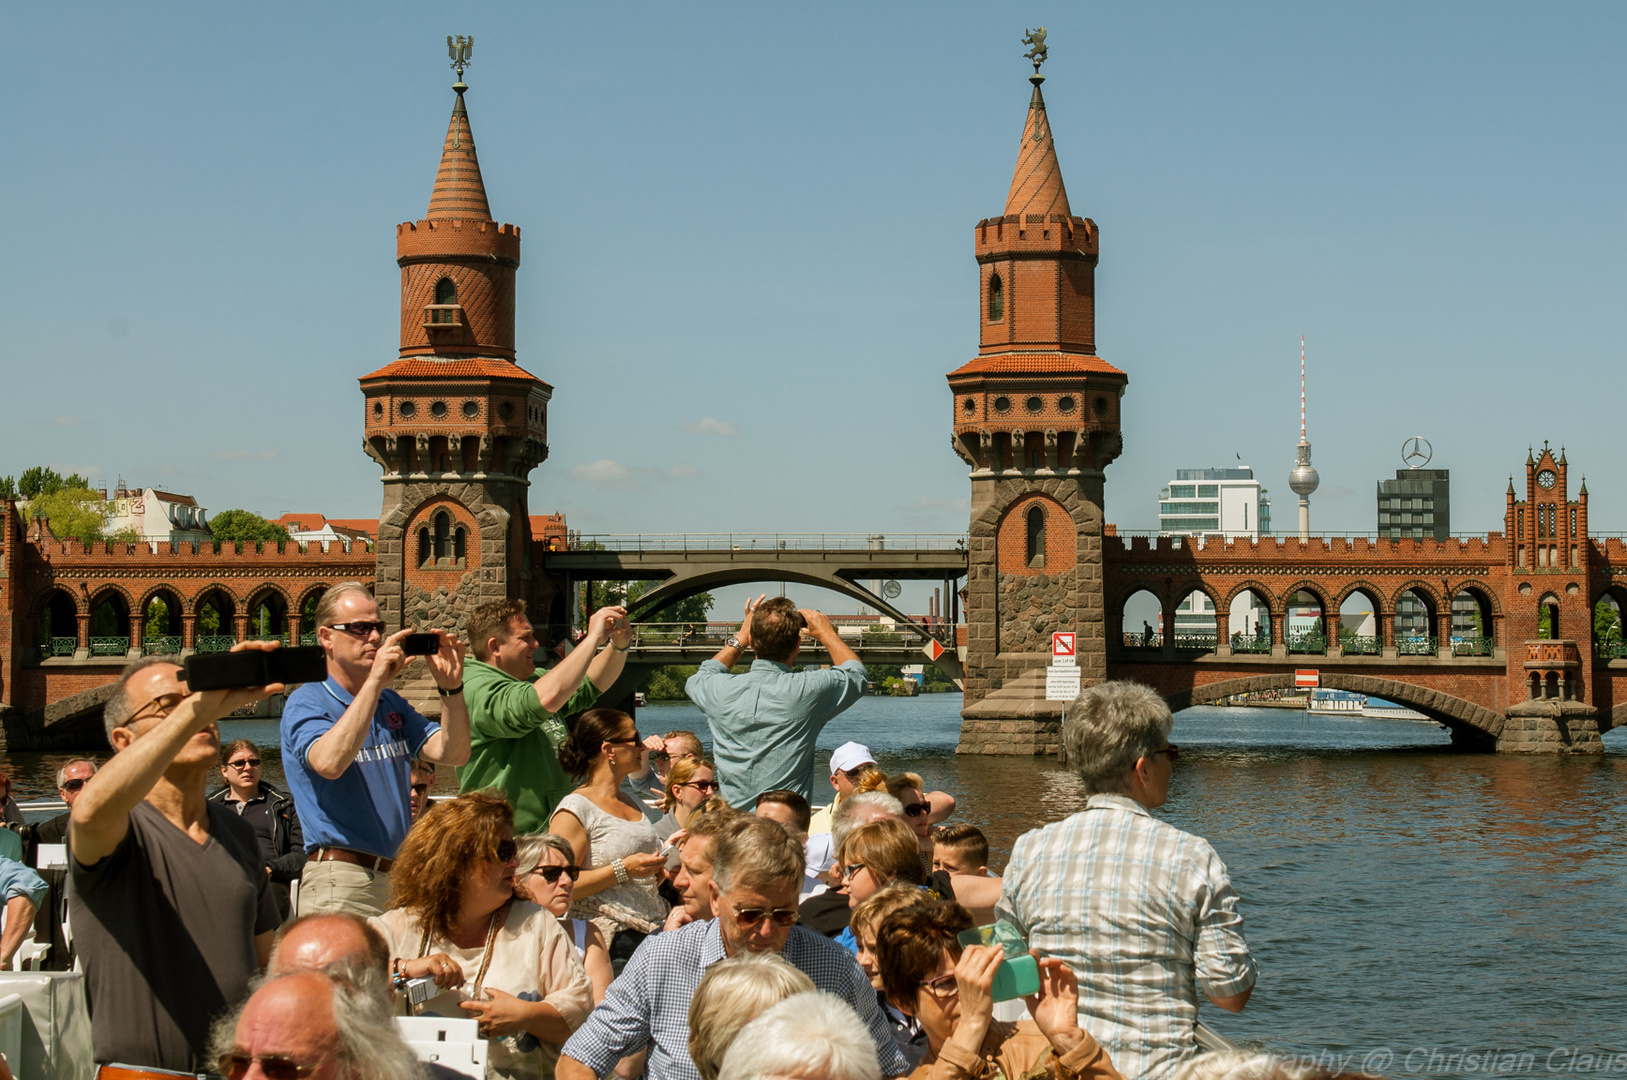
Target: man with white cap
[{"x": 847, "y": 764}]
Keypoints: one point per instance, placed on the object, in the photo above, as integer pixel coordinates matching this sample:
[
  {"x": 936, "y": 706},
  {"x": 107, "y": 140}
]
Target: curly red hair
[{"x": 449, "y": 837}]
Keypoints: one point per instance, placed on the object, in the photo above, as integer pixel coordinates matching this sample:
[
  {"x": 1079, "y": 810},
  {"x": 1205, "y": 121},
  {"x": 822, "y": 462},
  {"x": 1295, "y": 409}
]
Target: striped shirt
[
  {"x": 649, "y": 1003},
  {"x": 1146, "y": 916}
]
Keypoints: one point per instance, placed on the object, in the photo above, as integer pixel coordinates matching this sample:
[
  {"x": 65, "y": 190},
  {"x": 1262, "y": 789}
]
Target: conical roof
[
  {"x": 459, "y": 191},
  {"x": 1036, "y": 186}
]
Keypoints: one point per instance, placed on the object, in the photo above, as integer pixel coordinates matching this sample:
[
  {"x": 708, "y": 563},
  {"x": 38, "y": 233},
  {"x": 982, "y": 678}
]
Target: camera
[
  {"x": 419, "y": 990},
  {"x": 1018, "y": 974},
  {"x": 254, "y": 667},
  {"x": 421, "y": 644}
]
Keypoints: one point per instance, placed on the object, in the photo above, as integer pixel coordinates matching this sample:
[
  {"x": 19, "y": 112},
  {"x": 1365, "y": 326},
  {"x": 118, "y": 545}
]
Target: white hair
[
  {"x": 842, "y": 823},
  {"x": 813, "y": 1036},
  {"x": 731, "y": 995},
  {"x": 1246, "y": 1065},
  {"x": 368, "y": 1045}
]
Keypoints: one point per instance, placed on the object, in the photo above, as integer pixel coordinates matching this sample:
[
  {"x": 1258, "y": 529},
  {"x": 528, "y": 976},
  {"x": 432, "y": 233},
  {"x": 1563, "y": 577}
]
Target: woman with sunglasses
[
  {"x": 498, "y": 959},
  {"x": 617, "y": 848},
  {"x": 949, "y": 989},
  {"x": 906, "y": 788},
  {"x": 690, "y": 783},
  {"x": 885, "y": 852},
  {"x": 547, "y": 877},
  {"x": 269, "y": 812}
]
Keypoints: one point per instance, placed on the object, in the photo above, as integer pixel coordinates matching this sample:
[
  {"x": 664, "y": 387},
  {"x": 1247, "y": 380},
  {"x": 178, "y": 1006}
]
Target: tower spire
[
  {"x": 1303, "y": 480},
  {"x": 459, "y": 190},
  {"x": 1036, "y": 185}
]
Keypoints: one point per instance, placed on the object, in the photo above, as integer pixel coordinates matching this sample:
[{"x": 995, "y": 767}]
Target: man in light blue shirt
[{"x": 765, "y": 722}]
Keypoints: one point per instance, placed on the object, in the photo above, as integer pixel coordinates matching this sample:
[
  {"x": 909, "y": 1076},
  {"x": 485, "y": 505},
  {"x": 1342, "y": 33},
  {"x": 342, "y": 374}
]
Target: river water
[{"x": 1414, "y": 911}]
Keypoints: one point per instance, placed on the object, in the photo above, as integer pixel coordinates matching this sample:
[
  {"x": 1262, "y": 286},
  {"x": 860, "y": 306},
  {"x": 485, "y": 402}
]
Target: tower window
[
  {"x": 423, "y": 546},
  {"x": 1036, "y": 537},
  {"x": 443, "y": 536},
  {"x": 459, "y": 545},
  {"x": 997, "y": 298},
  {"x": 445, "y": 291}
]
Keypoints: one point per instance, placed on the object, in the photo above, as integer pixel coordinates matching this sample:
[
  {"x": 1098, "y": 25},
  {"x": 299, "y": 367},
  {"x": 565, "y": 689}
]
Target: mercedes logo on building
[{"x": 1416, "y": 452}]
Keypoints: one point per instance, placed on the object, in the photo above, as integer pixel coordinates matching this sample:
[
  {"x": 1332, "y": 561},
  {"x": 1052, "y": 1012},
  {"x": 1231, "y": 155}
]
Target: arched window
[
  {"x": 997, "y": 298},
  {"x": 1036, "y": 536},
  {"x": 459, "y": 546},
  {"x": 443, "y": 536},
  {"x": 1548, "y": 617},
  {"x": 446, "y": 295},
  {"x": 423, "y": 547}
]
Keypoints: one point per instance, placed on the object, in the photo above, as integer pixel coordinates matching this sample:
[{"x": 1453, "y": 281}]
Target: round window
[
  {"x": 437, "y": 408},
  {"x": 506, "y": 410},
  {"x": 471, "y": 409},
  {"x": 1002, "y": 404},
  {"x": 1065, "y": 403},
  {"x": 378, "y": 408},
  {"x": 1034, "y": 404},
  {"x": 969, "y": 405},
  {"x": 1101, "y": 405},
  {"x": 406, "y": 408}
]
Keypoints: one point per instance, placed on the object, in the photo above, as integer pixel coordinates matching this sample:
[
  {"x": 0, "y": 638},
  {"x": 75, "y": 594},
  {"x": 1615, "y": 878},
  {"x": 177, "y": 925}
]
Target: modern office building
[
  {"x": 1416, "y": 505},
  {"x": 1226, "y": 501}
]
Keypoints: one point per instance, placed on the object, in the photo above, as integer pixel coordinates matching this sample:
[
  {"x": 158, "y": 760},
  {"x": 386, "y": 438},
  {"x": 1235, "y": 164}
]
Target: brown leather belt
[{"x": 339, "y": 854}]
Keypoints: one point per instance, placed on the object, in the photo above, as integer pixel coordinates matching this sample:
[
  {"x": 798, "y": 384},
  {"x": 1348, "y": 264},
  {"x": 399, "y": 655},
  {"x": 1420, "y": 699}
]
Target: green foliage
[
  {"x": 1606, "y": 622},
  {"x": 245, "y": 527},
  {"x": 1545, "y": 627},
  {"x": 667, "y": 683},
  {"x": 8, "y": 487},
  {"x": 44, "y": 480},
  {"x": 157, "y": 624},
  {"x": 76, "y": 513},
  {"x": 605, "y": 593}
]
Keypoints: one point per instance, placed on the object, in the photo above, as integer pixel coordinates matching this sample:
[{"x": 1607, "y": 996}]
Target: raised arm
[
  {"x": 605, "y": 667},
  {"x": 450, "y": 745},
  {"x": 330, "y": 755},
  {"x": 730, "y": 655},
  {"x": 821, "y": 630}
]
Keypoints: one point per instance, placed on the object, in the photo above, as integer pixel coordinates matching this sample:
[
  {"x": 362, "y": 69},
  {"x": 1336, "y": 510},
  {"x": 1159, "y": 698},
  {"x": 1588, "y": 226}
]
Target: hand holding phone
[
  {"x": 421, "y": 644},
  {"x": 1018, "y": 974}
]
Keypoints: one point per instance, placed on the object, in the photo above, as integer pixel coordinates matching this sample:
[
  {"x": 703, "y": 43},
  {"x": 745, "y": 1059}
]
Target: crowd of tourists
[{"x": 605, "y": 902}]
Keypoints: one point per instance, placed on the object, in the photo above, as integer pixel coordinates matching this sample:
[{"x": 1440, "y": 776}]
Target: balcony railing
[
  {"x": 1197, "y": 640},
  {"x": 1610, "y": 650},
  {"x": 214, "y": 643},
  {"x": 1260, "y": 644},
  {"x": 1143, "y": 641},
  {"x": 63, "y": 646},
  {"x": 308, "y": 639},
  {"x": 1311, "y": 642},
  {"x": 1417, "y": 646},
  {"x": 1473, "y": 646},
  {"x": 443, "y": 316},
  {"x": 162, "y": 645},
  {"x": 1361, "y": 645},
  {"x": 109, "y": 646}
]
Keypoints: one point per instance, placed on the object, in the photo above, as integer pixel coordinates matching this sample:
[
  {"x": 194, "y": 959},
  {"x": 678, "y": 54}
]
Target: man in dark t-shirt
[{"x": 171, "y": 906}]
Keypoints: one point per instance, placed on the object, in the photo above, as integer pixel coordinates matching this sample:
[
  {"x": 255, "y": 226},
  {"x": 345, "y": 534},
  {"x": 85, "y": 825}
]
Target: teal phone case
[{"x": 1018, "y": 974}]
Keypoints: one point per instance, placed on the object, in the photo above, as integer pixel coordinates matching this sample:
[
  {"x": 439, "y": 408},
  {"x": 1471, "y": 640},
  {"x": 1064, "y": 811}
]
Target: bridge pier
[{"x": 1546, "y": 726}]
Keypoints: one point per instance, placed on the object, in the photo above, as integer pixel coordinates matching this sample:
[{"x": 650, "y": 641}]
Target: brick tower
[
  {"x": 1036, "y": 416},
  {"x": 455, "y": 423}
]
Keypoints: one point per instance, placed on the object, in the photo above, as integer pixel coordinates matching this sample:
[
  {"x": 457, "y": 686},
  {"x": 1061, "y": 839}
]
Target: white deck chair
[
  {"x": 451, "y": 1042},
  {"x": 51, "y": 857},
  {"x": 30, "y": 953}
]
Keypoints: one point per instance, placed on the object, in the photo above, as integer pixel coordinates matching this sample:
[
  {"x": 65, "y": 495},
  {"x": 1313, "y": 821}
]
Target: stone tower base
[
  {"x": 1549, "y": 727},
  {"x": 1015, "y": 721}
]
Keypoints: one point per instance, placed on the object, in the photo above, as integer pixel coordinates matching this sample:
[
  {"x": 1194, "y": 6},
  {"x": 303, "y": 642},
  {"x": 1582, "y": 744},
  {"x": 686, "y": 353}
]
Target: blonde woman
[
  {"x": 731, "y": 995},
  {"x": 690, "y": 783}
]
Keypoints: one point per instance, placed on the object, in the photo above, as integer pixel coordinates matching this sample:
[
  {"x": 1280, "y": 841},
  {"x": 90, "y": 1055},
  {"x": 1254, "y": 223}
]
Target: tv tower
[{"x": 1303, "y": 479}]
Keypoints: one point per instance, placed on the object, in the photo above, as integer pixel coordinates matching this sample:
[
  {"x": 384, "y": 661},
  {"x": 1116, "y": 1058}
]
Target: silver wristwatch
[{"x": 733, "y": 642}]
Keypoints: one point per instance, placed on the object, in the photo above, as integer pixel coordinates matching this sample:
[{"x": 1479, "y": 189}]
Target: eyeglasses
[
  {"x": 363, "y": 629},
  {"x": 166, "y": 704},
  {"x": 1171, "y": 751},
  {"x": 550, "y": 874},
  {"x": 72, "y": 785},
  {"x": 244, "y": 763},
  {"x": 943, "y": 987},
  {"x": 751, "y": 916},
  {"x": 276, "y": 1067},
  {"x": 419, "y": 789},
  {"x": 916, "y": 809},
  {"x": 506, "y": 850},
  {"x": 702, "y": 785},
  {"x": 849, "y": 869},
  {"x": 854, "y": 774}
]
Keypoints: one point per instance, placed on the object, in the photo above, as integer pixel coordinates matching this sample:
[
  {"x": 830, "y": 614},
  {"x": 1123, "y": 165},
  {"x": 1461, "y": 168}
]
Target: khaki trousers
[{"x": 335, "y": 887}]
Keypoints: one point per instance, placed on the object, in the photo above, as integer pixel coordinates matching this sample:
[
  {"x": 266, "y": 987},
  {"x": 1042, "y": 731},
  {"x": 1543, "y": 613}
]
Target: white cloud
[
  {"x": 66, "y": 421},
  {"x": 245, "y": 455},
  {"x": 615, "y": 476},
  {"x": 710, "y": 425}
]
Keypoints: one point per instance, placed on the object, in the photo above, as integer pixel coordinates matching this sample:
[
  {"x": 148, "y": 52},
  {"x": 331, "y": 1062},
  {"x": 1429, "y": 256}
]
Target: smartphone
[
  {"x": 673, "y": 857},
  {"x": 421, "y": 644},
  {"x": 1018, "y": 974},
  {"x": 254, "y": 667}
]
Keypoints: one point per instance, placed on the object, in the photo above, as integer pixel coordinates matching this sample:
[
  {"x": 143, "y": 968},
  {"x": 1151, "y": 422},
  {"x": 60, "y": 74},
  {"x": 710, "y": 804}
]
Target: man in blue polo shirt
[{"x": 347, "y": 747}]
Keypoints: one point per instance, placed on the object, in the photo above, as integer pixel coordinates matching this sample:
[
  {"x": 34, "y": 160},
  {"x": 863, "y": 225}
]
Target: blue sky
[{"x": 748, "y": 242}]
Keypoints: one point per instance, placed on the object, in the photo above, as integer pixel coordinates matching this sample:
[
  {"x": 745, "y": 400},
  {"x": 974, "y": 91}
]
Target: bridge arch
[
  {"x": 1373, "y": 593},
  {"x": 1430, "y": 597},
  {"x": 1474, "y": 726},
  {"x": 1264, "y": 594},
  {"x": 682, "y": 586},
  {"x": 268, "y": 608}
]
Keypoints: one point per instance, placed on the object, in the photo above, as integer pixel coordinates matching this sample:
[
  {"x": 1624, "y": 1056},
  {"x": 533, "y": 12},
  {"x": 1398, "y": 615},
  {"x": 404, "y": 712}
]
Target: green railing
[
  {"x": 1417, "y": 646},
  {"x": 1310, "y": 642},
  {"x": 214, "y": 643},
  {"x": 63, "y": 646},
  {"x": 109, "y": 646},
  {"x": 162, "y": 645},
  {"x": 1197, "y": 641},
  {"x": 1473, "y": 646},
  {"x": 282, "y": 638},
  {"x": 1610, "y": 650},
  {"x": 1241, "y": 644},
  {"x": 1361, "y": 645},
  {"x": 308, "y": 639},
  {"x": 1143, "y": 641}
]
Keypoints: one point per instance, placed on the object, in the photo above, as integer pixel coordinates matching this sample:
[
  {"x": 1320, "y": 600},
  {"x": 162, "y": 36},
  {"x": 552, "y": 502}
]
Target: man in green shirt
[{"x": 515, "y": 707}]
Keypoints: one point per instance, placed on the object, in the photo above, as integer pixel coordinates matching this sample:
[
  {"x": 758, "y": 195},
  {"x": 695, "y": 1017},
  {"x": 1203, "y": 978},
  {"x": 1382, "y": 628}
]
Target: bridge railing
[
  {"x": 757, "y": 541},
  {"x": 698, "y": 635}
]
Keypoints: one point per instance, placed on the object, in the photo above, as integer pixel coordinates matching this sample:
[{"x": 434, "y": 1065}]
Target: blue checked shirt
[
  {"x": 649, "y": 1003},
  {"x": 1146, "y": 916}
]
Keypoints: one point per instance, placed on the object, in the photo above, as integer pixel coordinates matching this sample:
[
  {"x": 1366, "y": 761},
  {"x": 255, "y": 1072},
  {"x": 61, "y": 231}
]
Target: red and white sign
[
  {"x": 1062, "y": 648},
  {"x": 1307, "y": 678},
  {"x": 932, "y": 649}
]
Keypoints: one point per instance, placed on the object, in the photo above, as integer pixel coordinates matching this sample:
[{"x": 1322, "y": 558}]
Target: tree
[
  {"x": 245, "y": 527},
  {"x": 693, "y": 609},
  {"x": 44, "y": 480},
  {"x": 1606, "y": 621},
  {"x": 76, "y": 513},
  {"x": 8, "y": 488}
]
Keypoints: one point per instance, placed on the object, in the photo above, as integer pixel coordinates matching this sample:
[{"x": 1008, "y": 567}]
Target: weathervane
[
  {"x": 1035, "y": 40},
  {"x": 459, "y": 48}
]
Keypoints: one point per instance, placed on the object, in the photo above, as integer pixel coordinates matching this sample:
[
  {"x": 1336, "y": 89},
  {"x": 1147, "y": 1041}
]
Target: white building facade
[
  {"x": 159, "y": 515},
  {"x": 1200, "y": 502}
]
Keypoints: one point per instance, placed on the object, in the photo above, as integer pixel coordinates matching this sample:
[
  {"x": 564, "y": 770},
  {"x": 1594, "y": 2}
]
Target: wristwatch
[{"x": 733, "y": 642}]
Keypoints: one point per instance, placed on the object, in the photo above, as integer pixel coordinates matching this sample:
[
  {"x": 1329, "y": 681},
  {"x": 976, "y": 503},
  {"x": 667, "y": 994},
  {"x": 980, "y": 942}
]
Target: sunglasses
[
  {"x": 72, "y": 785},
  {"x": 274, "y": 1066},
  {"x": 854, "y": 774},
  {"x": 849, "y": 869},
  {"x": 360, "y": 629},
  {"x": 244, "y": 763},
  {"x": 633, "y": 741},
  {"x": 419, "y": 789},
  {"x": 702, "y": 785},
  {"x": 943, "y": 987},
  {"x": 1171, "y": 751},
  {"x": 507, "y": 850},
  {"x": 550, "y": 874},
  {"x": 916, "y": 809},
  {"x": 751, "y": 916}
]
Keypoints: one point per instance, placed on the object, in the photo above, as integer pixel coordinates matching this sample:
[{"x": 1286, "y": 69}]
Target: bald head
[
  {"x": 291, "y": 1017},
  {"x": 314, "y": 942}
]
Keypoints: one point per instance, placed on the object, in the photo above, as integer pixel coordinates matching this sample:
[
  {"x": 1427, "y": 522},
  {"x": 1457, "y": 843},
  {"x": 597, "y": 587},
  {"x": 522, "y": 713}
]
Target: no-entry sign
[
  {"x": 1062, "y": 648},
  {"x": 1307, "y": 678}
]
